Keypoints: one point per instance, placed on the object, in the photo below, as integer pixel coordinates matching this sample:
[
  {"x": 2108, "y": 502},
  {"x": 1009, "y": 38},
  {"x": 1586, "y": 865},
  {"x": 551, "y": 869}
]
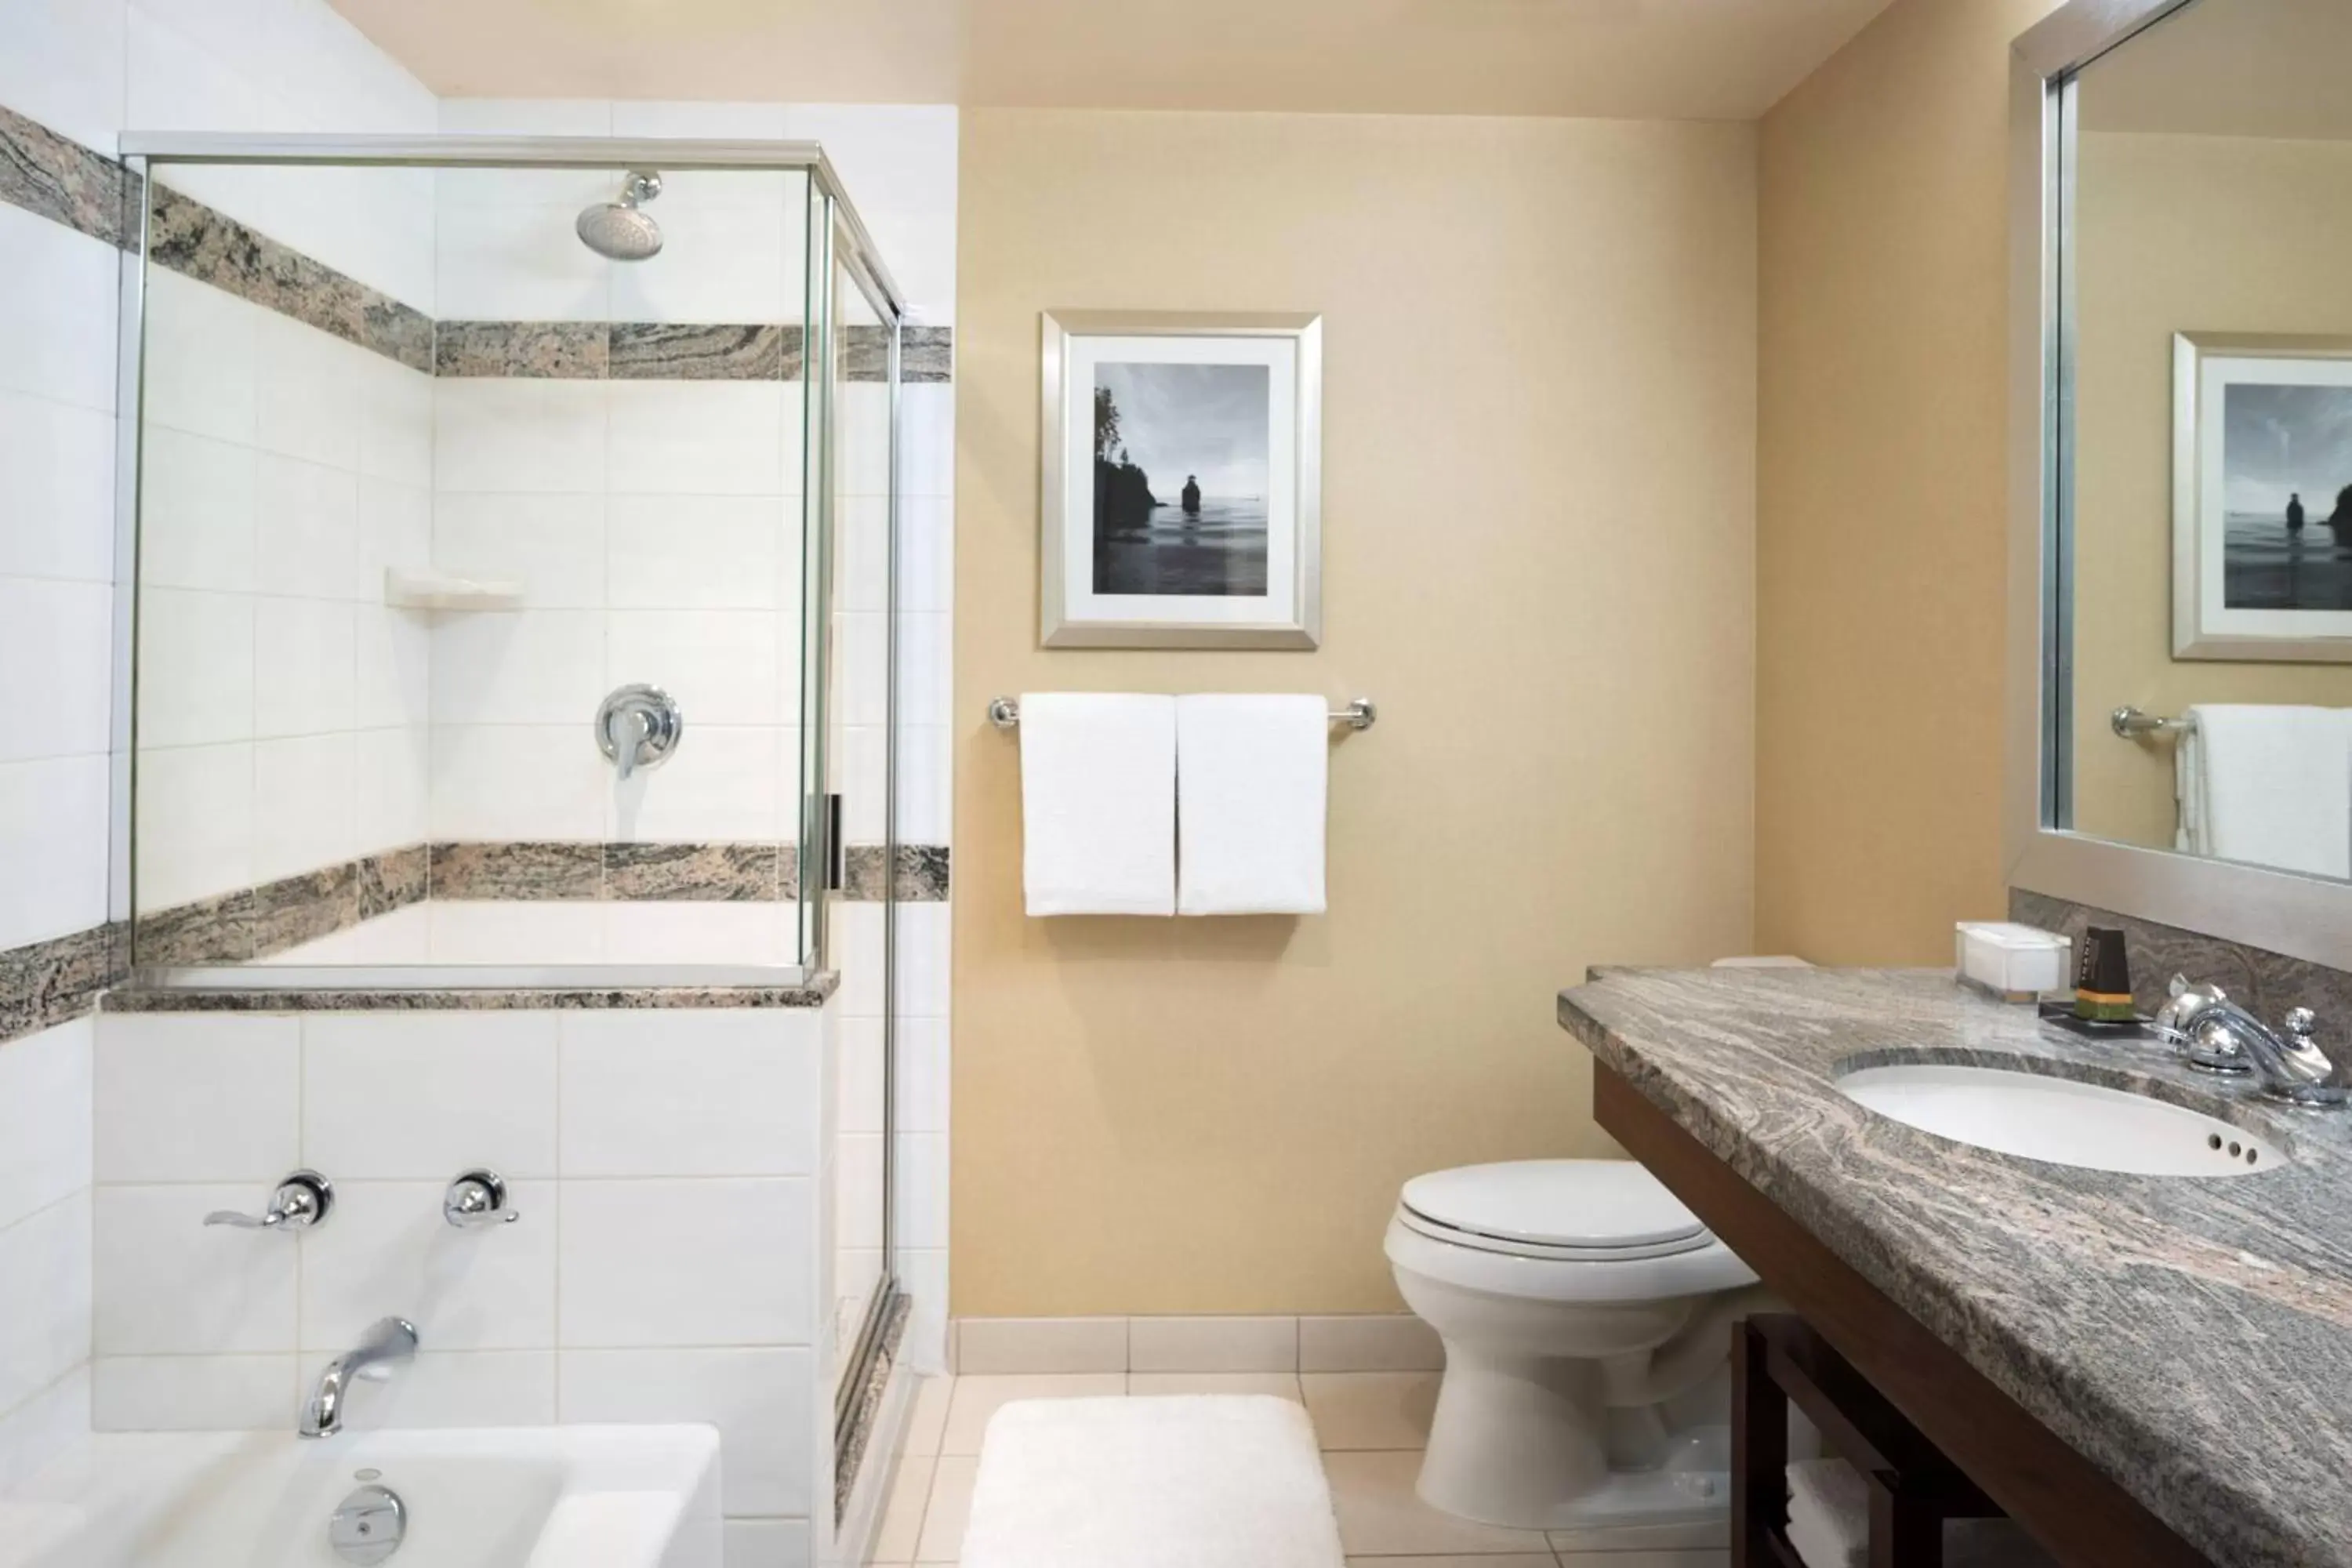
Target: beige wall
[
  {"x": 2252, "y": 234},
  {"x": 1539, "y": 504},
  {"x": 1881, "y": 520}
]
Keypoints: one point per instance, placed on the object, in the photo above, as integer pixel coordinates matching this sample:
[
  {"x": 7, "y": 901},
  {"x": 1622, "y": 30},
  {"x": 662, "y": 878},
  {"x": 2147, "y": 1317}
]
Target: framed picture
[
  {"x": 2262, "y": 506},
  {"x": 1181, "y": 491}
]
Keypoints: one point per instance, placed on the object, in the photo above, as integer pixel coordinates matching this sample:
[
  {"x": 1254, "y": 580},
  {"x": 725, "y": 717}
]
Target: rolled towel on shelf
[
  {"x": 1252, "y": 778},
  {"x": 1099, "y": 803},
  {"x": 1829, "y": 1525}
]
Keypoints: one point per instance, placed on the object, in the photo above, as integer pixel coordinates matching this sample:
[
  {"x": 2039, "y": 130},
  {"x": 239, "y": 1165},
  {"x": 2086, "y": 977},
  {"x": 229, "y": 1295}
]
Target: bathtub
[{"x": 543, "y": 1497}]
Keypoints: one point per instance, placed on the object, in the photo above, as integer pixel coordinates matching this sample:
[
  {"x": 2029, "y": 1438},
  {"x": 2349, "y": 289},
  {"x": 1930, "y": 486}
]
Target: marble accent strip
[
  {"x": 726, "y": 873},
  {"x": 45, "y": 983},
  {"x": 197, "y": 242},
  {"x": 54, "y": 177},
  {"x": 653, "y": 350},
  {"x": 925, "y": 354},
  {"x": 923, "y": 873},
  {"x": 812, "y": 992},
  {"x": 254, "y": 922},
  {"x": 2267, "y": 982},
  {"x": 851, "y": 1442},
  {"x": 541, "y": 351},
  {"x": 519, "y": 870}
]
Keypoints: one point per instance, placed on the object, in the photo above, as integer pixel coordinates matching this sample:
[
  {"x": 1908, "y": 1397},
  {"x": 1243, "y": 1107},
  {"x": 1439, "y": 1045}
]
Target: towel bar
[{"x": 1360, "y": 714}]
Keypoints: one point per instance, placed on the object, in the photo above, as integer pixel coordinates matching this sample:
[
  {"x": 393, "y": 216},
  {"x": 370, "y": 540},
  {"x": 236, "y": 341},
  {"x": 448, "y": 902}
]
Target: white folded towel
[
  {"x": 2269, "y": 786},
  {"x": 1829, "y": 1514},
  {"x": 1250, "y": 774},
  {"x": 1099, "y": 803}
]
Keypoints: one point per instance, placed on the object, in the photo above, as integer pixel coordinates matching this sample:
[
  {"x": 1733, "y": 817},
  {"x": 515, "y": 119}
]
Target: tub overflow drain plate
[{"x": 369, "y": 1525}]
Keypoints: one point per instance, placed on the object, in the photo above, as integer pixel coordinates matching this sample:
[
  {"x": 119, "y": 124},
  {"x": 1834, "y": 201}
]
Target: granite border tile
[
  {"x": 537, "y": 350},
  {"x": 394, "y": 880},
  {"x": 659, "y": 351},
  {"x": 209, "y": 246},
  {"x": 922, "y": 876},
  {"x": 217, "y": 930},
  {"x": 44, "y": 983},
  {"x": 722, "y": 873},
  {"x": 849, "y": 1454},
  {"x": 302, "y": 908},
  {"x": 810, "y": 993},
  {"x": 522, "y": 869},
  {"x": 925, "y": 355},
  {"x": 57, "y": 178}
]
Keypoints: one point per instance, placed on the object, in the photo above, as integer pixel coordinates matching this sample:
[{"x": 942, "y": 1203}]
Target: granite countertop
[
  {"x": 2192, "y": 1337},
  {"x": 138, "y": 998}
]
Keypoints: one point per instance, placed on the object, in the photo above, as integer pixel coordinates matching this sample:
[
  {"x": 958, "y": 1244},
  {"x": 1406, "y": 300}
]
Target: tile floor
[{"x": 1372, "y": 1426}]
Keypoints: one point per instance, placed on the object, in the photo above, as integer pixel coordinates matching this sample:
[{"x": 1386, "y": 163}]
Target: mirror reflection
[{"x": 2205, "y": 703}]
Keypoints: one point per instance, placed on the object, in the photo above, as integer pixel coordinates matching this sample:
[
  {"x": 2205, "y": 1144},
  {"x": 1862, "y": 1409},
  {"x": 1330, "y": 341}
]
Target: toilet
[{"x": 1586, "y": 1317}]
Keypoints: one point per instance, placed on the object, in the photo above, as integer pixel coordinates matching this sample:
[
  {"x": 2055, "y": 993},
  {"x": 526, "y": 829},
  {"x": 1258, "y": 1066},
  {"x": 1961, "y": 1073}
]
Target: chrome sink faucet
[
  {"x": 389, "y": 1342},
  {"x": 2216, "y": 1035}
]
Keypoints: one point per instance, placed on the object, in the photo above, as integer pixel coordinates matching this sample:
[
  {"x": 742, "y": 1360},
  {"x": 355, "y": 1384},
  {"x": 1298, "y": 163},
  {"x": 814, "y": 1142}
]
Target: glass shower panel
[
  {"x": 861, "y": 364},
  {"x": 470, "y": 574}
]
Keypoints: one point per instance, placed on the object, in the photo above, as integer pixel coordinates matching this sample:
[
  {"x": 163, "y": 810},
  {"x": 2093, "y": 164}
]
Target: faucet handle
[
  {"x": 477, "y": 1198},
  {"x": 301, "y": 1201},
  {"x": 2302, "y": 1023}
]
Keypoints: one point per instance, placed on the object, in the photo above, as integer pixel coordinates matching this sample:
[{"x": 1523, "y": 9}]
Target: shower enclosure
[{"x": 515, "y": 531}]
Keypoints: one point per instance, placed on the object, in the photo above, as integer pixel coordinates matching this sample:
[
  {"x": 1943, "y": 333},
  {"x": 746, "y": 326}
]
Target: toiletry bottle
[{"x": 2103, "y": 991}]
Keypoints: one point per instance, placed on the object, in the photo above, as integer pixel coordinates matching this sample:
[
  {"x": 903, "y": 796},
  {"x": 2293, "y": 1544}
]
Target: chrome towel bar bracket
[
  {"x": 2132, "y": 724},
  {"x": 1361, "y": 713}
]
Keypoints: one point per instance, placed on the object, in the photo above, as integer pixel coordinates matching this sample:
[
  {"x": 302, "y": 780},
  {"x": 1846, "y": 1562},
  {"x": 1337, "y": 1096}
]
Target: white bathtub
[{"x": 543, "y": 1497}]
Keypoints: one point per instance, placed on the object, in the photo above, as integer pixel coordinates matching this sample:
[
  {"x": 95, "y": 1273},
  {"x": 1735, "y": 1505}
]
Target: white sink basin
[{"x": 2060, "y": 1121}]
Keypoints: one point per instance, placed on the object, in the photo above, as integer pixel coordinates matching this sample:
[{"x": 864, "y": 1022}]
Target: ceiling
[
  {"x": 1725, "y": 59},
  {"x": 2230, "y": 68}
]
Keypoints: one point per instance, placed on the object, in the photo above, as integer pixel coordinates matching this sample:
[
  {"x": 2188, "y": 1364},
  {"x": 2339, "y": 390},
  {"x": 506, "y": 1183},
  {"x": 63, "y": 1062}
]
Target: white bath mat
[{"x": 1197, "y": 1481}]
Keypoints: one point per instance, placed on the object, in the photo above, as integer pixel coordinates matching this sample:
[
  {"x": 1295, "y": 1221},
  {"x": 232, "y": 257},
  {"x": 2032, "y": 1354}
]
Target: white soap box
[{"x": 2013, "y": 963}]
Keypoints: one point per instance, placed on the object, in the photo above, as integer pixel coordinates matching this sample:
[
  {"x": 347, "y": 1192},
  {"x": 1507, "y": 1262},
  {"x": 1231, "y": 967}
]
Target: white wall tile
[
  {"x": 195, "y": 810},
  {"x": 194, "y": 1393},
  {"x": 515, "y": 263},
  {"x": 922, "y": 1189},
  {"x": 767, "y": 1544},
  {"x": 196, "y": 504},
  {"x": 757, "y": 1398},
  {"x": 689, "y": 1094},
  {"x": 64, "y": 630},
  {"x": 703, "y": 438},
  {"x": 57, "y": 490},
  {"x": 63, "y": 68},
  {"x": 708, "y": 1262},
  {"x": 926, "y": 654},
  {"x": 195, "y": 668},
  {"x": 528, "y": 667},
  {"x": 57, "y": 338},
  {"x": 730, "y": 253},
  {"x": 461, "y": 1388},
  {"x": 45, "y": 1119},
  {"x": 305, "y": 527},
  {"x": 526, "y": 116},
  {"x": 390, "y": 770},
  {"x": 175, "y": 83},
  {"x": 922, "y": 1082},
  {"x": 923, "y": 955},
  {"x": 389, "y": 1250},
  {"x": 303, "y": 791},
  {"x": 201, "y": 358},
  {"x": 527, "y": 932},
  {"x": 391, "y": 668},
  {"x": 55, "y": 822},
  {"x": 305, "y": 399},
  {"x": 45, "y": 1298},
  {"x": 168, "y": 1284},
  {"x": 926, "y": 784},
  {"x": 305, "y": 661},
  {"x": 553, "y": 545},
  {"x": 395, "y": 532},
  {"x": 704, "y": 553},
  {"x": 392, "y": 1095},
  {"x": 927, "y": 442},
  {"x": 518, "y": 781},
  {"x": 396, "y": 424},
  {"x": 35, "y": 1432},
  {"x": 198, "y": 1098},
  {"x": 926, "y": 553},
  {"x": 543, "y": 438}
]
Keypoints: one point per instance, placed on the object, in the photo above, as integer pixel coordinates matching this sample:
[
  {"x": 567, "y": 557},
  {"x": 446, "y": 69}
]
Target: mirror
[{"x": 2202, "y": 577}]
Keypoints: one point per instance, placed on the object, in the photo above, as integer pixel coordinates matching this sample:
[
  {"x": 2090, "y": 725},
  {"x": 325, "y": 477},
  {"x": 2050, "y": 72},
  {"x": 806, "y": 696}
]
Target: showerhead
[{"x": 622, "y": 230}]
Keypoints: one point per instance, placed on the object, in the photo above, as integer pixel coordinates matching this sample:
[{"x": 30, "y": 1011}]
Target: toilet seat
[{"x": 1558, "y": 1230}]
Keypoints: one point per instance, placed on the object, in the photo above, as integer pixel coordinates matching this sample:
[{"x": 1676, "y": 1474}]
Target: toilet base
[{"x": 1528, "y": 1443}]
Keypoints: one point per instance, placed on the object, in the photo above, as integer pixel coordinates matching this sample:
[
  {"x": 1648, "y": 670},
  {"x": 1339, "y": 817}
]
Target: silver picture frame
[
  {"x": 2197, "y": 555},
  {"x": 1296, "y": 620}
]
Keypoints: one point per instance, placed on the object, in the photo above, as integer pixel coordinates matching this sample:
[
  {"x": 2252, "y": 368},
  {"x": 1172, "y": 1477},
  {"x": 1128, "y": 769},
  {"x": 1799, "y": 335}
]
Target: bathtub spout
[{"x": 390, "y": 1342}]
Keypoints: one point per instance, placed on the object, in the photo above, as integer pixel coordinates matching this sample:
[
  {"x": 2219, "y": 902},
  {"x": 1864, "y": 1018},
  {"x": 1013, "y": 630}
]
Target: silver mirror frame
[{"x": 2304, "y": 917}]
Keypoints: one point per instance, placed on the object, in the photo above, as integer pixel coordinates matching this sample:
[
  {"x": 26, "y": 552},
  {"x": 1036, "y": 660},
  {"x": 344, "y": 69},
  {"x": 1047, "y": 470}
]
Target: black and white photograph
[
  {"x": 1180, "y": 499},
  {"x": 1180, "y": 479},
  {"x": 2287, "y": 487}
]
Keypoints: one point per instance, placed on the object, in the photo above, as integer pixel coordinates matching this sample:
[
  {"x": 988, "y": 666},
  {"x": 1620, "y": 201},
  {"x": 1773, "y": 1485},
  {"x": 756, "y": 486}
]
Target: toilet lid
[{"x": 1587, "y": 1204}]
